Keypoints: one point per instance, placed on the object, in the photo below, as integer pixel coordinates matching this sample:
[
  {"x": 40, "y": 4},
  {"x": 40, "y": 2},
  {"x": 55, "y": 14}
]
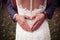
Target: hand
[
  {"x": 21, "y": 20},
  {"x": 38, "y": 21}
]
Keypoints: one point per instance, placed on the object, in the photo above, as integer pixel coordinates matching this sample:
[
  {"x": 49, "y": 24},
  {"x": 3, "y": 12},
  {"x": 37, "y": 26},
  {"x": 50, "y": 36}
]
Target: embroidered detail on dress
[{"x": 30, "y": 13}]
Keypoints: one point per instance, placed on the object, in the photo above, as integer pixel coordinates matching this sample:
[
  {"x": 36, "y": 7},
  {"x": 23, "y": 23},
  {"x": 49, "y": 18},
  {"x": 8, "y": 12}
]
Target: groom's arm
[
  {"x": 12, "y": 11},
  {"x": 41, "y": 17},
  {"x": 50, "y": 9},
  {"x": 20, "y": 19}
]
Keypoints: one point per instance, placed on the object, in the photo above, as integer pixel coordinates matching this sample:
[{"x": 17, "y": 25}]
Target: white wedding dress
[{"x": 43, "y": 33}]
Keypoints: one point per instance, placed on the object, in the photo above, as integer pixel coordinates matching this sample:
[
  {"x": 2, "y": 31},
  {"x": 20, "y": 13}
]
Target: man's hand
[
  {"x": 38, "y": 21},
  {"x": 21, "y": 20}
]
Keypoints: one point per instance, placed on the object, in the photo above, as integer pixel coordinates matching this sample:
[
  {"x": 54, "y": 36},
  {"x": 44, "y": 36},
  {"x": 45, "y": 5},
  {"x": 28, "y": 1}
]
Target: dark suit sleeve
[
  {"x": 50, "y": 9},
  {"x": 11, "y": 10}
]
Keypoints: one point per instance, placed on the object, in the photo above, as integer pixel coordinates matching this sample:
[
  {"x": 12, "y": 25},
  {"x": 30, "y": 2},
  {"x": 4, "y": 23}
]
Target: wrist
[
  {"x": 17, "y": 17},
  {"x": 45, "y": 14}
]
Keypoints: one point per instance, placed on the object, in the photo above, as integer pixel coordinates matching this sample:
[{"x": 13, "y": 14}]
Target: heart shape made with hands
[
  {"x": 31, "y": 21},
  {"x": 36, "y": 20}
]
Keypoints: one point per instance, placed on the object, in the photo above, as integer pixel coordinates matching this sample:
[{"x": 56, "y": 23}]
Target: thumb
[
  {"x": 27, "y": 17},
  {"x": 34, "y": 16}
]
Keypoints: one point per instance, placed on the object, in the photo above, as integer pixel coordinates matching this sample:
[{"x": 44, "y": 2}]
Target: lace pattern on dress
[{"x": 30, "y": 13}]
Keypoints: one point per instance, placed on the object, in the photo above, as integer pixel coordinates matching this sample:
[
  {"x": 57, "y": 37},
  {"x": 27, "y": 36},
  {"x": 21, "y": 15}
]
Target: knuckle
[{"x": 23, "y": 23}]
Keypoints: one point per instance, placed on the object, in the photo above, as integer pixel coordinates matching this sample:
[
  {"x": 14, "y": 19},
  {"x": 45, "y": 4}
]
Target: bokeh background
[{"x": 7, "y": 26}]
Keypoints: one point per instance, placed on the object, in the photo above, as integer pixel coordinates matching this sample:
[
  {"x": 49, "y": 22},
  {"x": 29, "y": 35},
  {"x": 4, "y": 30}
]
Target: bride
[{"x": 33, "y": 24}]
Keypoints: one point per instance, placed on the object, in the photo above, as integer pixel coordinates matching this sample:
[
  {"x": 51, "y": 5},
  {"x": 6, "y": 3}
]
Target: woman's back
[
  {"x": 30, "y": 8},
  {"x": 31, "y": 4}
]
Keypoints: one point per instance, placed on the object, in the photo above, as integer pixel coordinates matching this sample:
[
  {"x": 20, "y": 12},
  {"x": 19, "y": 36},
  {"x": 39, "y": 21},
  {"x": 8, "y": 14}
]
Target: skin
[
  {"x": 38, "y": 18},
  {"x": 22, "y": 21},
  {"x": 38, "y": 21}
]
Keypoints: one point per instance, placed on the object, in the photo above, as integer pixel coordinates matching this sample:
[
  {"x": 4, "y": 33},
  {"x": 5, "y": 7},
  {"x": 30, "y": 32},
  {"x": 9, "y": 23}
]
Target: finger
[
  {"x": 27, "y": 17},
  {"x": 36, "y": 26},
  {"x": 38, "y": 23},
  {"x": 34, "y": 16},
  {"x": 35, "y": 20},
  {"x": 26, "y": 27}
]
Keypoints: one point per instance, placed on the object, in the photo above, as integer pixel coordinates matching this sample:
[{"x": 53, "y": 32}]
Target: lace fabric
[
  {"x": 41, "y": 7},
  {"x": 30, "y": 13},
  {"x": 42, "y": 33}
]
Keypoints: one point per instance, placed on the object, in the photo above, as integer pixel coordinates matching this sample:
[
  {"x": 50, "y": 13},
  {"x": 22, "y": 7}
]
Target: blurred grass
[
  {"x": 54, "y": 24},
  {"x": 7, "y": 26}
]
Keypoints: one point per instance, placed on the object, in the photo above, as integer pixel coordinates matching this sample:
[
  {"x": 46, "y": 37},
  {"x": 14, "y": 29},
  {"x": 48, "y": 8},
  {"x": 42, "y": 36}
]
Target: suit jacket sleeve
[
  {"x": 50, "y": 9},
  {"x": 11, "y": 10}
]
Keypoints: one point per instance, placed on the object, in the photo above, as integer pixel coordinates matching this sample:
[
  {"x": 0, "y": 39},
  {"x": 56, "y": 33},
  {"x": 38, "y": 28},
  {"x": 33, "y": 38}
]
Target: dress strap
[{"x": 30, "y": 5}]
